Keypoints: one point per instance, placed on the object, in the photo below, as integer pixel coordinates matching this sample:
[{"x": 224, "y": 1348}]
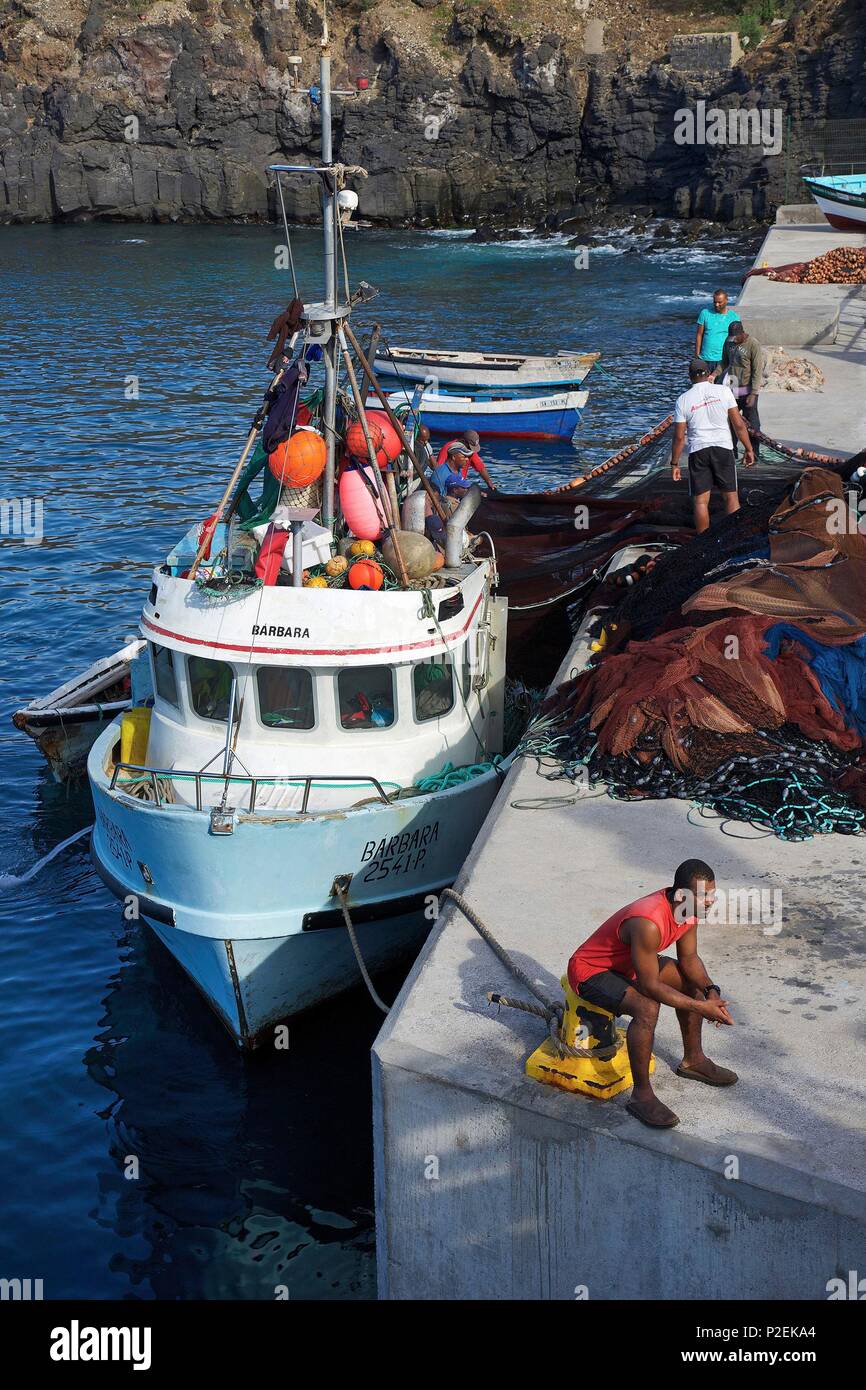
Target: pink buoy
[{"x": 363, "y": 515}]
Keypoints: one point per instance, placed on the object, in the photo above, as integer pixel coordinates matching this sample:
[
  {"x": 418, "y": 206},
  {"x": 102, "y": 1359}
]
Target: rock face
[{"x": 174, "y": 110}]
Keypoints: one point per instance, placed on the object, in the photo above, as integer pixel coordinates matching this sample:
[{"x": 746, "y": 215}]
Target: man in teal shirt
[{"x": 713, "y": 331}]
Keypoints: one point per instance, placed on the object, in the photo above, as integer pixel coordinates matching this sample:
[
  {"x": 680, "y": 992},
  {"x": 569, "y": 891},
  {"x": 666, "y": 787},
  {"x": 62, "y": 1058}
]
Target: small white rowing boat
[
  {"x": 507, "y": 371},
  {"x": 65, "y": 723},
  {"x": 840, "y": 196}
]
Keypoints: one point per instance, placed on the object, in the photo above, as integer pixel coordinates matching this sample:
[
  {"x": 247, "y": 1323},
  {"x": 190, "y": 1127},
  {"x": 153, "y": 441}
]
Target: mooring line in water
[{"x": 16, "y": 880}]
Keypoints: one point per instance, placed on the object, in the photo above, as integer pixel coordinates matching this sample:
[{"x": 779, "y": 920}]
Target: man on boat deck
[
  {"x": 450, "y": 475},
  {"x": 712, "y": 331},
  {"x": 468, "y": 445},
  {"x": 621, "y": 968},
  {"x": 709, "y": 415}
]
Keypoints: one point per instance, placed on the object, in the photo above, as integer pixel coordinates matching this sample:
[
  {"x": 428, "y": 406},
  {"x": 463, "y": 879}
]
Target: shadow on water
[{"x": 254, "y": 1172}]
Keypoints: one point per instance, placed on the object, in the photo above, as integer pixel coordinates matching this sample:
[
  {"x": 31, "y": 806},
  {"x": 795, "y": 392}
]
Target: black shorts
[
  {"x": 713, "y": 467},
  {"x": 606, "y": 989}
]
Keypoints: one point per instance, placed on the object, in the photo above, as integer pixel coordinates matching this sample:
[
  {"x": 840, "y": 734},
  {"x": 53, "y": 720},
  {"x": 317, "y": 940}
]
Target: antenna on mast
[{"x": 323, "y": 320}]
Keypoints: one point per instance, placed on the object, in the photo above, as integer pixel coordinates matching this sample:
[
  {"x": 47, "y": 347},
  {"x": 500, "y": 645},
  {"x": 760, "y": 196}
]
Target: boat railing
[
  {"x": 160, "y": 778},
  {"x": 817, "y": 168}
]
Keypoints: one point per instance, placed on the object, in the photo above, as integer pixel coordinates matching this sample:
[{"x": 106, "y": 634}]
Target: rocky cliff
[{"x": 473, "y": 110}]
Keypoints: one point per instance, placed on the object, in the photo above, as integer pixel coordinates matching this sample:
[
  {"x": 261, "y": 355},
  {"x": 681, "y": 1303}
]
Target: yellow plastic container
[
  {"x": 601, "y": 1077},
  {"x": 134, "y": 736}
]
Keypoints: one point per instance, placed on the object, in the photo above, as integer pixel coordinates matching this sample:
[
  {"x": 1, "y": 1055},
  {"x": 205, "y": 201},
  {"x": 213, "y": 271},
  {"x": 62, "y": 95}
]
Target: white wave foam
[{"x": 16, "y": 880}]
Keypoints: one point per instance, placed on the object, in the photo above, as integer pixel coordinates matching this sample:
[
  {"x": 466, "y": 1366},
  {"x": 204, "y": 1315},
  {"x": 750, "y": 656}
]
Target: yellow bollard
[{"x": 603, "y": 1075}]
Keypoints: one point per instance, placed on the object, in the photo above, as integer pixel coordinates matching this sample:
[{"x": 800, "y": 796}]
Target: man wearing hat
[
  {"x": 743, "y": 361},
  {"x": 450, "y": 473},
  {"x": 708, "y": 415},
  {"x": 467, "y": 448}
]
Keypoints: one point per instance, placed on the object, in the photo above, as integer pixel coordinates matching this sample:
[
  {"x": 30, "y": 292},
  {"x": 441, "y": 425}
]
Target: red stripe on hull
[{"x": 252, "y": 647}]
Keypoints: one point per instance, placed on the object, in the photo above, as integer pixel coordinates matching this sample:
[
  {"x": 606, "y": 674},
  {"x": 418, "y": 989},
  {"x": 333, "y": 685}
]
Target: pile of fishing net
[
  {"x": 734, "y": 673},
  {"x": 844, "y": 265},
  {"x": 782, "y": 372}
]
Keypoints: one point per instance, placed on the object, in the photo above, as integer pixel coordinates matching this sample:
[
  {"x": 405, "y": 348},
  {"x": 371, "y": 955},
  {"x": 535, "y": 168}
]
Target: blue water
[{"x": 252, "y": 1173}]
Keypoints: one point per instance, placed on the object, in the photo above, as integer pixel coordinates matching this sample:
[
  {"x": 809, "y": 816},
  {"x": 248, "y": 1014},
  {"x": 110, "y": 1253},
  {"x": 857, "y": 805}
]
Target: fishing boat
[
  {"x": 503, "y": 417},
  {"x": 840, "y": 195},
  {"x": 322, "y": 737},
  {"x": 65, "y": 722},
  {"x": 472, "y": 371}
]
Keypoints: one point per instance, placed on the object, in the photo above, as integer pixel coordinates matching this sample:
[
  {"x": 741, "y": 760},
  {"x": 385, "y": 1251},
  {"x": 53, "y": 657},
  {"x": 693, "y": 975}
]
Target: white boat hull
[
  {"x": 251, "y": 915},
  {"x": 845, "y": 217},
  {"x": 486, "y": 370},
  {"x": 65, "y": 723}
]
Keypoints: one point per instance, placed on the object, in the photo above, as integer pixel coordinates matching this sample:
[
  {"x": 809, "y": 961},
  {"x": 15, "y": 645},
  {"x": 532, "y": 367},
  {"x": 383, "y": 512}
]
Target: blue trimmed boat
[
  {"x": 840, "y": 196},
  {"x": 503, "y": 417}
]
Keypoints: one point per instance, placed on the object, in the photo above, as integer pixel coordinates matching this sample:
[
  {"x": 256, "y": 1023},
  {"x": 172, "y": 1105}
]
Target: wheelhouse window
[
  {"x": 210, "y": 684},
  {"x": 164, "y": 679},
  {"x": 285, "y": 697},
  {"x": 433, "y": 685},
  {"x": 366, "y": 697}
]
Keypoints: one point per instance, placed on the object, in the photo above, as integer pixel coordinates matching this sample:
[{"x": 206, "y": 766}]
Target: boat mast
[{"x": 329, "y": 211}]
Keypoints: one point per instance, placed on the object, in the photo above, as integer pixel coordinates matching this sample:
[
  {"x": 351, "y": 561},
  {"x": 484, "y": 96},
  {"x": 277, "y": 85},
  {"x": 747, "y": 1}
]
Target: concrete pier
[
  {"x": 825, "y": 323},
  {"x": 490, "y": 1185}
]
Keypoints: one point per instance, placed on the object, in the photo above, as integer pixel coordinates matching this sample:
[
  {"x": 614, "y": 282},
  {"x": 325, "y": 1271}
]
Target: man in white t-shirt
[{"x": 708, "y": 414}]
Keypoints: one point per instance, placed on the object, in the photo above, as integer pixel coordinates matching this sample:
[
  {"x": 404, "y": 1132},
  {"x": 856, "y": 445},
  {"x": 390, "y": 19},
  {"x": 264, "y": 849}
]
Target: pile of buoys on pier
[{"x": 844, "y": 265}]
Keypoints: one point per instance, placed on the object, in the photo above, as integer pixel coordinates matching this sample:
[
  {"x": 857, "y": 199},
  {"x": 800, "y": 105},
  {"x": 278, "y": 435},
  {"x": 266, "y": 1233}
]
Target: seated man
[
  {"x": 469, "y": 443},
  {"x": 621, "y": 968},
  {"x": 448, "y": 475}
]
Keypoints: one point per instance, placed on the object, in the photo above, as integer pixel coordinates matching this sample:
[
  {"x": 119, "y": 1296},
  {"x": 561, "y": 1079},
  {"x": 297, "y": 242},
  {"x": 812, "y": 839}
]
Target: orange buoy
[
  {"x": 366, "y": 574},
  {"x": 356, "y": 444},
  {"x": 383, "y": 436},
  {"x": 300, "y": 459}
]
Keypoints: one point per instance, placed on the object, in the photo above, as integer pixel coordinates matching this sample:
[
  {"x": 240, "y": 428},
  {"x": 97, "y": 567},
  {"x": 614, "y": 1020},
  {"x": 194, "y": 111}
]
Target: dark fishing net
[
  {"x": 781, "y": 782},
  {"x": 734, "y": 543},
  {"x": 748, "y": 740}
]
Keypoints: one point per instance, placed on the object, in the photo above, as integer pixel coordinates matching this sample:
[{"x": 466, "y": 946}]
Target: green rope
[{"x": 451, "y": 776}]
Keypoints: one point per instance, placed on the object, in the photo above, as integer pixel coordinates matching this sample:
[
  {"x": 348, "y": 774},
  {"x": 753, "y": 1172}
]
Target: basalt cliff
[{"x": 462, "y": 111}]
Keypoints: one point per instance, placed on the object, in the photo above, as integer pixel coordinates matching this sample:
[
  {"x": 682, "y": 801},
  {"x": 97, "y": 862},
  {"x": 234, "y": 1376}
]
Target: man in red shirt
[
  {"x": 468, "y": 444},
  {"x": 621, "y": 968}
]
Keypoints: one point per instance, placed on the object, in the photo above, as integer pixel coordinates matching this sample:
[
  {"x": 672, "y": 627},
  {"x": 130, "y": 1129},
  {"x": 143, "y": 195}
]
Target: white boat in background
[
  {"x": 474, "y": 371},
  {"x": 65, "y": 723},
  {"x": 841, "y": 196}
]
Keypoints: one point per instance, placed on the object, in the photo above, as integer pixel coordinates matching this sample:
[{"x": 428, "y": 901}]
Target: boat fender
[{"x": 362, "y": 512}]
